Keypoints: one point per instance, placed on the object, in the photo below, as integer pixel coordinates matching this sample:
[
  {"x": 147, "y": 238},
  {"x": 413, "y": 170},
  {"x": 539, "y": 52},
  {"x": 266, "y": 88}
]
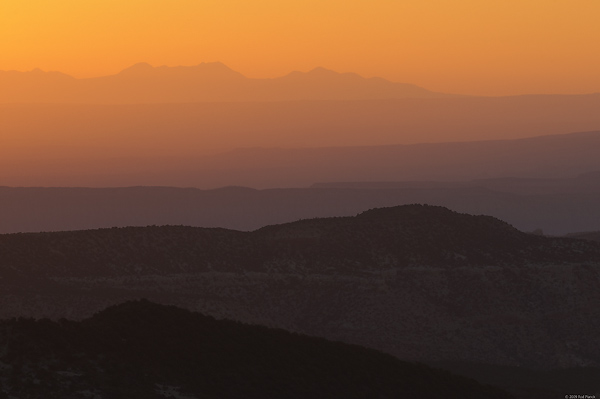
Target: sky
[{"x": 461, "y": 46}]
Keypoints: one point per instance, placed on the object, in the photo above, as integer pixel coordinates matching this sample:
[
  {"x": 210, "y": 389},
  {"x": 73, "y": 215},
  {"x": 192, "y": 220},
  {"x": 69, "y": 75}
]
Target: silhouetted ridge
[
  {"x": 557, "y": 206},
  {"x": 140, "y": 66},
  {"x": 436, "y": 217},
  {"x": 412, "y": 235},
  {"x": 205, "y": 82},
  {"x": 405, "y": 236},
  {"x": 481, "y": 238},
  {"x": 140, "y": 349},
  {"x": 320, "y": 71}
]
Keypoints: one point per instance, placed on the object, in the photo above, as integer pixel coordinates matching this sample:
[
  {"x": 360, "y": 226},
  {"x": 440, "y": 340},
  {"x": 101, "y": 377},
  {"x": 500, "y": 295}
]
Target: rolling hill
[
  {"x": 419, "y": 282},
  {"x": 144, "y": 350}
]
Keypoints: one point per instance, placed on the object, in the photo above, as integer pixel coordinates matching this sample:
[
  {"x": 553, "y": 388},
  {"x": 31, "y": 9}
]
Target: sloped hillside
[
  {"x": 375, "y": 240},
  {"x": 419, "y": 282},
  {"x": 144, "y": 350}
]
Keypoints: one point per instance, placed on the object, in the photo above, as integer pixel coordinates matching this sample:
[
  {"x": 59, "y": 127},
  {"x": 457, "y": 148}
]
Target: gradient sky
[{"x": 462, "y": 46}]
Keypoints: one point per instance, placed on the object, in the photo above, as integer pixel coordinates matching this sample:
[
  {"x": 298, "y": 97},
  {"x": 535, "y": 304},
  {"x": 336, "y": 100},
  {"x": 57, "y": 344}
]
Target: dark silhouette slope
[
  {"x": 419, "y": 282},
  {"x": 143, "y": 350},
  {"x": 405, "y": 236}
]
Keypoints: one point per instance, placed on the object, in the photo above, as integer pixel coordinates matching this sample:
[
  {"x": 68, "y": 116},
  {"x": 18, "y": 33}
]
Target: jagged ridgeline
[
  {"x": 144, "y": 350},
  {"x": 419, "y": 282}
]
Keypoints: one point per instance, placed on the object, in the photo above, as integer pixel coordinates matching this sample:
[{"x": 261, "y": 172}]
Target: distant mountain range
[
  {"x": 210, "y": 82},
  {"x": 295, "y": 144},
  {"x": 554, "y": 206},
  {"x": 550, "y": 156},
  {"x": 553, "y": 186},
  {"x": 418, "y": 282},
  {"x": 273, "y": 144}
]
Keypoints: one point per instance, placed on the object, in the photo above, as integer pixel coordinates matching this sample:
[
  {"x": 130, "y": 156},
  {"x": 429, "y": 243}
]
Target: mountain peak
[
  {"x": 140, "y": 67},
  {"x": 218, "y": 68},
  {"x": 211, "y": 68},
  {"x": 322, "y": 71},
  {"x": 205, "y": 82},
  {"x": 36, "y": 74},
  {"x": 215, "y": 65}
]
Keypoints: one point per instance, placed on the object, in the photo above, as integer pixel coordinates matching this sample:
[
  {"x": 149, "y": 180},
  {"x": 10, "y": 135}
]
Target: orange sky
[{"x": 470, "y": 46}]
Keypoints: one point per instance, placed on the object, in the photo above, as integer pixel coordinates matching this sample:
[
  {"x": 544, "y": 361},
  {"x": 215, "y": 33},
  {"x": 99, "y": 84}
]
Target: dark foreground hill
[
  {"x": 418, "y": 282},
  {"x": 144, "y": 350}
]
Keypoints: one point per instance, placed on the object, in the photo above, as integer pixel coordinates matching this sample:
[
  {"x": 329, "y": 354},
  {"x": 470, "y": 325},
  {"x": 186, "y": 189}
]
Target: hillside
[
  {"x": 144, "y": 350},
  {"x": 455, "y": 287},
  {"x": 590, "y": 235},
  {"x": 374, "y": 241}
]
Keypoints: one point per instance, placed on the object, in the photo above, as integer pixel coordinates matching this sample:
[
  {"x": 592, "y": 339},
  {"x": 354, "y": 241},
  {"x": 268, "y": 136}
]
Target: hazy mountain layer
[
  {"x": 206, "y": 82},
  {"x": 172, "y": 153},
  {"x": 144, "y": 350},
  {"x": 416, "y": 281},
  {"x": 556, "y": 206},
  {"x": 555, "y": 156}
]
